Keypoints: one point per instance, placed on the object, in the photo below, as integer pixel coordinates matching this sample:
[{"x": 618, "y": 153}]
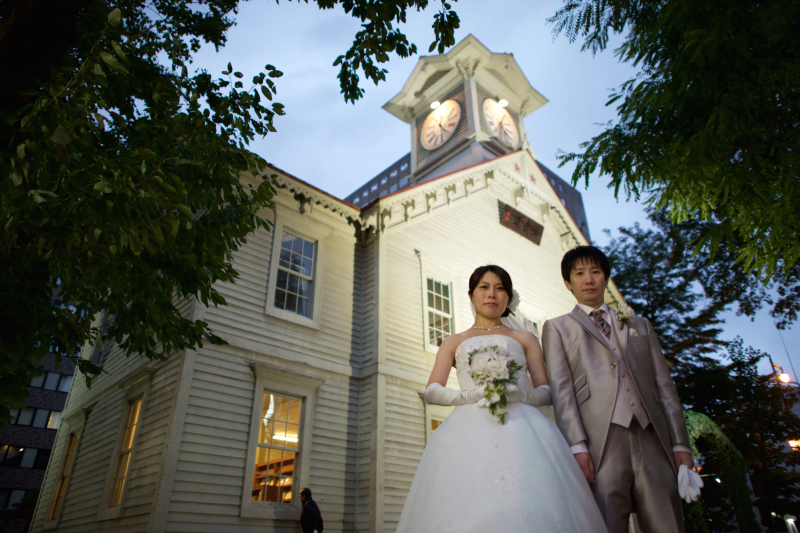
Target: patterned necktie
[{"x": 600, "y": 323}]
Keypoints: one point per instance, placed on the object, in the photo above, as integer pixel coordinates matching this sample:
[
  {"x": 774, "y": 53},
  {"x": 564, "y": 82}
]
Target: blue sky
[{"x": 337, "y": 146}]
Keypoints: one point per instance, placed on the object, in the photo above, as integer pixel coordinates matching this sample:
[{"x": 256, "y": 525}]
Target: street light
[
  {"x": 783, "y": 377},
  {"x": 793, "y": 444}
]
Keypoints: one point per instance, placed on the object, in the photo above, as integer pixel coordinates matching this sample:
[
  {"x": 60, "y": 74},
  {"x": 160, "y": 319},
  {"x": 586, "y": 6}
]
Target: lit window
[
  {"x": 435, "y": 424},
  {"x": 295, "y": 274},
  {"x": 403, "y": 167},
  {"x": 440, "y": 318},
  {"x": 384, "y": 180},
  {"x": 393, "y": 173},
  {"x": 63, "y": 476},
  {"x": 126, "y": 450},
  {"x": 277, "y": 449},
  {"x": 54, "y": 420}
]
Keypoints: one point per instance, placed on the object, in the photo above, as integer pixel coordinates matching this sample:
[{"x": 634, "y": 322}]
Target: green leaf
[
  {"x": 60, "y": 136},
  {"x": 103, "y": 186},
  {"x": 112, "y": 62},
  {"x": 118, "y": 50},
  {"x": 114, "y": 17},
  {"x": 16, "y": 177},
  {"x": 185, "y": 210},
  {"x": 41, "y": 196}
]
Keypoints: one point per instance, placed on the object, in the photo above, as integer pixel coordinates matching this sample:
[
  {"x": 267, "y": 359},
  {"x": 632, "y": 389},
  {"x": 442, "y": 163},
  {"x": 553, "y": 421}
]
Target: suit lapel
[{"x": 584, "y": 320}]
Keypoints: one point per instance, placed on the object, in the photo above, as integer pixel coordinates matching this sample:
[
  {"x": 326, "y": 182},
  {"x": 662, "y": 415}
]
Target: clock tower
[{"x": 463, "y": 108}]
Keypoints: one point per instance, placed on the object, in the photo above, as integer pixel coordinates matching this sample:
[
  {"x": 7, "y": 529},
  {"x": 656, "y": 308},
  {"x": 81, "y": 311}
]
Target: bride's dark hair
[{"x": 505, "y": 279}]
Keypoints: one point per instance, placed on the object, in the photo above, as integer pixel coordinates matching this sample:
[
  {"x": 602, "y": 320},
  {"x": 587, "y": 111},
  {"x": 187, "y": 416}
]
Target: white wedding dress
[{"x": 477, "y": 475}]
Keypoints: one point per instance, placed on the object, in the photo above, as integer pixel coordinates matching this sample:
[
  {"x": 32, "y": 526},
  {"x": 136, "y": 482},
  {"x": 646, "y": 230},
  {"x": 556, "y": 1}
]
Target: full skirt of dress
[{"x": 477, "y": 475}]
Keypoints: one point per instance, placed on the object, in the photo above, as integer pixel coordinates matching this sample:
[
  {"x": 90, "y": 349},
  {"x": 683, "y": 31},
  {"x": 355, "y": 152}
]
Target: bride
[{"x": 478, "y": 475}]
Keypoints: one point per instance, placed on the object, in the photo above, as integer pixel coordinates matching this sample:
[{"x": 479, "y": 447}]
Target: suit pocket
[
  {"x": 582, "y": 395},
  {"x": 579, "y": 383}
]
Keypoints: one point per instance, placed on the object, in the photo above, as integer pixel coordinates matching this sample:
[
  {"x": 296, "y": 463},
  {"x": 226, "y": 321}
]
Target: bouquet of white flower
[{"x": 496, "y": 373}]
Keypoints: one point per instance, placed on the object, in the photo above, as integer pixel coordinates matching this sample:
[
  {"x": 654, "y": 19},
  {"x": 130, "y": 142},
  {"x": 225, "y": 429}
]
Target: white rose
[
  {"x": 497, "y": 369},
  {"x": 479, "y": 363},
  {"x": 483, "y": 403},
  {"x": 495, "y": 398},
  {"x": 511, "y": 387}
]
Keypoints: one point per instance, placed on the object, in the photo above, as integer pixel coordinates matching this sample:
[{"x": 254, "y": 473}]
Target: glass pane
[
  {"x": 302, "y": 306},
  {"x": 308, "y": 249},
  {"x": 306, "y": 267},
  {"x": 132, "y": 422},
  {"x": 65, "y": 384},
  {"x": 292, "y": 432},
  {"x": 55, "y": 420},
  {"x": 297, "y": 245},
  {"x": 295, "y": 407},
  {"x": 286, "y": 240},
  {"x": 446, "y": 325},
  {"x": 25, "y": 416},
  {"x": 302, "y": 287},
  {"x": 292, "y": 284},
  {"x": 40, "y": 418},
  {"x": 432, "y": 336},
  {"x": 437, "y": 321},
  {"x": 122, "y": 471},
  {"x": 281, "y": 408},
  {"x": 259, "y": 485},
  {"x": 295, "y": 263},
  {"x": 282, "y": 279},
  {"x": 430, "y": 299},
  {"x": 446, "y": 306},
  {"x": 51, "y": 383},
  {"x": 28, "y": 457},
  {"x": 279, "y": 433},
  {"x": 438, "y": 305},
  {"x": 287, "y": 466},
  {"x": 13, "y": 456},
  {"x": 437, "y": 288},
  {"x": 291, "y": 302},
  {"x": 13, "y": 412},
  {"x": 445, "y": 290},
  {"x": 280, "y": 299},
  {"x": 284, "y": 259},
  {"x": 41, "y": 459},
  {"x": 430, "y": 284},
  {"x": 38, "y": 381}
]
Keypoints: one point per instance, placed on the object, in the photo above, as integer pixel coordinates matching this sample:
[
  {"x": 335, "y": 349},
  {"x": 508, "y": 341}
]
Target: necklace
[{"x": 489, "y": 329}]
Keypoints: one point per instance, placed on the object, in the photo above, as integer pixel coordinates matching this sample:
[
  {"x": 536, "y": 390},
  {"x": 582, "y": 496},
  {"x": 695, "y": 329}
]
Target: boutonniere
[{"x": 625, "y": 315}]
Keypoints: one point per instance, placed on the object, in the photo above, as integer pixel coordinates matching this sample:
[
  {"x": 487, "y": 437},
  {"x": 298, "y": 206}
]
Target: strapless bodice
[{"x": 505, "y": 346}]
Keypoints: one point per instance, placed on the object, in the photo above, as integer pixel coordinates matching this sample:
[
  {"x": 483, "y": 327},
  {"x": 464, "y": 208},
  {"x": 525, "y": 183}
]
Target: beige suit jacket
[{"x": 584, "y": 379}]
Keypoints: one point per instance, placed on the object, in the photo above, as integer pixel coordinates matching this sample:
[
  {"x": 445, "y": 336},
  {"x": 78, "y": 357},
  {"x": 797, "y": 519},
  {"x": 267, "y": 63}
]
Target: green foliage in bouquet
[{"x": 495, "y": 377}]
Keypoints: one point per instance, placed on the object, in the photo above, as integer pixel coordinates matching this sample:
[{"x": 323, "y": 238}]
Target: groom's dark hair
[{"x": 588, "y": 254}]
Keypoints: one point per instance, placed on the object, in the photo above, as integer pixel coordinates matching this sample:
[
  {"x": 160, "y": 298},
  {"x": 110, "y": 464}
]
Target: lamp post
[{"x": 791, "y": 523}]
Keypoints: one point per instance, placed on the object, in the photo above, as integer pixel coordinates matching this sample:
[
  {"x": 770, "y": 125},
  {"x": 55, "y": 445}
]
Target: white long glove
[
  {"x": 538, "y": 397},
  {"x": 437, "y": 395},
  {"x": 689, "y": 484}
]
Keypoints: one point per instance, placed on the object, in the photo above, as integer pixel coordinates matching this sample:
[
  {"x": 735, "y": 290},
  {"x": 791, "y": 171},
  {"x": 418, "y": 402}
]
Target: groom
[{"x": 615, "y": 402}]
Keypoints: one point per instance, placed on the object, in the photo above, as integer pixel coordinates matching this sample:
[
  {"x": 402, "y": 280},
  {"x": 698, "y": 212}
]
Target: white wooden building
[{"x": 332, "y": 331}]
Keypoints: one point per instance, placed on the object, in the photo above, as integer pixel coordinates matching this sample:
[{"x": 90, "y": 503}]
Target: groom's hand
[
  {"x": 683, "y": 458},
  {"x": 587, "y": 466}
]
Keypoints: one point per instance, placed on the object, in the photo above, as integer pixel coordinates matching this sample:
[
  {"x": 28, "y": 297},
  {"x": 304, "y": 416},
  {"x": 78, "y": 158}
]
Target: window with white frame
[
  {"x": 277, "y": 449},
  {"x": 125, "y": 453},
  {"x": 295, "y": 277},
  {"x": 440, "y": 311},
  {"x": 63, "y": 477}
]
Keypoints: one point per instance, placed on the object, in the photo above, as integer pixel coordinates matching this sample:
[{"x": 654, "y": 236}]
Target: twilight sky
[{"x": 337, "y": 146}]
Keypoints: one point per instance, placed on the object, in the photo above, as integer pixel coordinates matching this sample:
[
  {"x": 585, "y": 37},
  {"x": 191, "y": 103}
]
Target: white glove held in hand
[
  {"x": 538, "y": 397},
  {"x": 437, "y": 395},
  {"x": 689, "y": 484}
]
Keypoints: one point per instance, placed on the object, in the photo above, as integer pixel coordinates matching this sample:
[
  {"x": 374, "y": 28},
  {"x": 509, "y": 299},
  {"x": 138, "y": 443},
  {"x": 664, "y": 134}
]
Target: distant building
[
  {"x": 332, "y": 331},
  {"x": 25, "y": 447}
]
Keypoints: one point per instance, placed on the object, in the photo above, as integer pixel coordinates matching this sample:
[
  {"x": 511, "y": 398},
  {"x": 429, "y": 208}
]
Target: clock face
[
  {"x": 500, "y": 123},
  {"x": 440, "y": 125}
]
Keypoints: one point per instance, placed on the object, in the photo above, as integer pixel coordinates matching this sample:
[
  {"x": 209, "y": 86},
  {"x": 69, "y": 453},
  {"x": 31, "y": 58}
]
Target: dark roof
[{"x": 570, "y": 198}]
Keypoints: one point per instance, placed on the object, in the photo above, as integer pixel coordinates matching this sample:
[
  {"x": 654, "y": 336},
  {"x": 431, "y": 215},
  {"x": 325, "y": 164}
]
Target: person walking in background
[{"x": 310, "y": 518}]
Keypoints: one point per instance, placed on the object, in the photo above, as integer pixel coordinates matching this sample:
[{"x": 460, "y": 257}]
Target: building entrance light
[
  {"x": 503, "y": 103},
  {"x": 435, "y": 104}
]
